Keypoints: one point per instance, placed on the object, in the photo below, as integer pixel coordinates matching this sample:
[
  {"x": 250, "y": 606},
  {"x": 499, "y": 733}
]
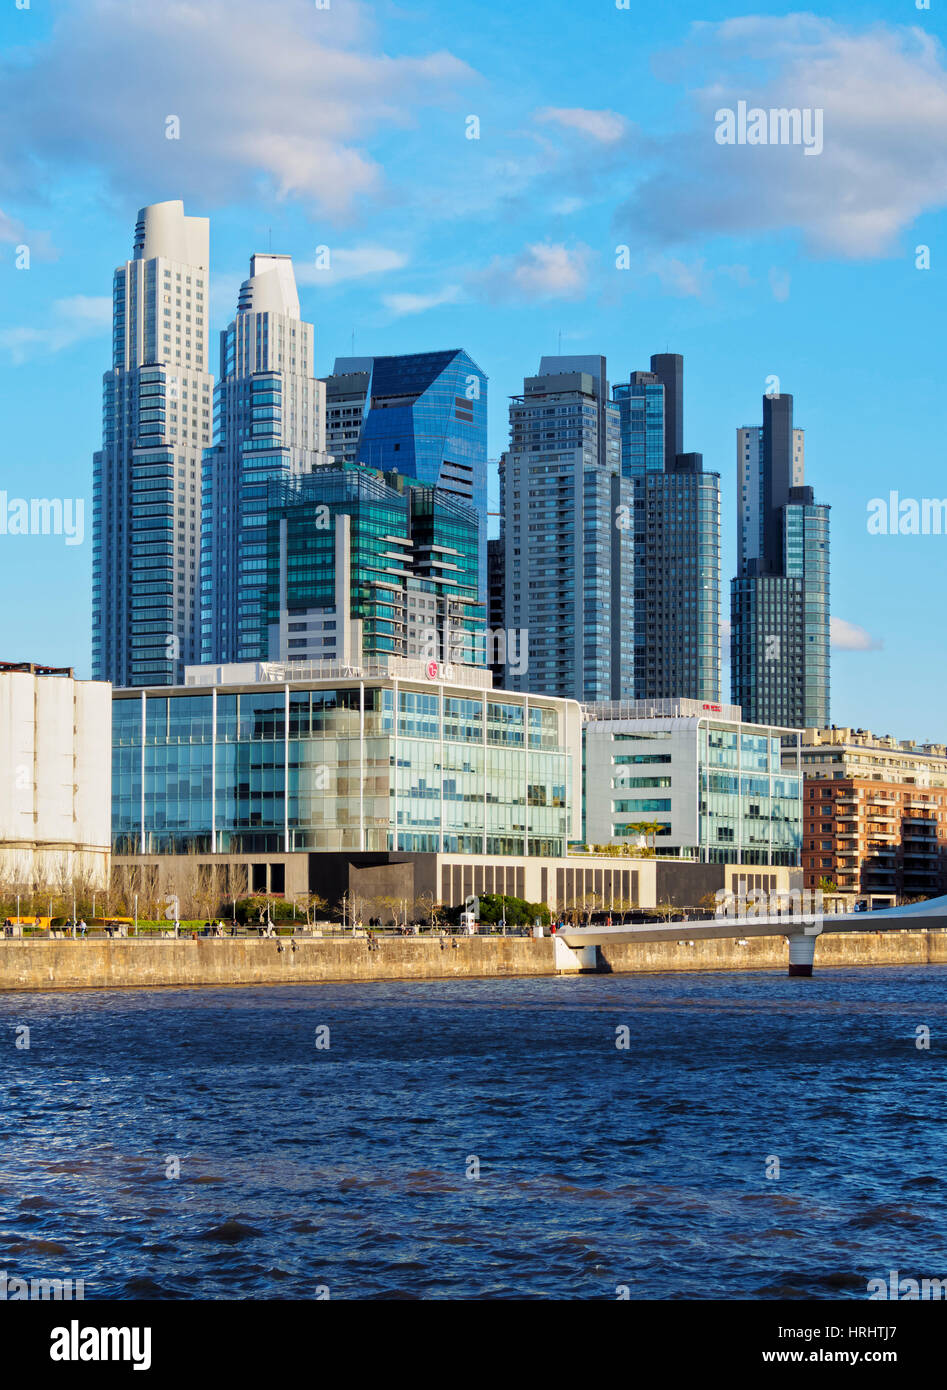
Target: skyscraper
[
  {"x": 423, "y": 415},
  {"x": 269, "y": 422},
  {"x": 780, "y": 596},
  {"x": 347, "y": 396},
  {"x": 567, "y": 532},
  {"x": 363, "y": 565},
  {"x": 156, "y": 420},
  {"x": 676, "y": 541}
]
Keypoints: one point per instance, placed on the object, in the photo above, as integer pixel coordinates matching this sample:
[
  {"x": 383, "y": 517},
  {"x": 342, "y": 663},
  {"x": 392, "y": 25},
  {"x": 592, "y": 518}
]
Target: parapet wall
[{"x": 130, "y": 964}]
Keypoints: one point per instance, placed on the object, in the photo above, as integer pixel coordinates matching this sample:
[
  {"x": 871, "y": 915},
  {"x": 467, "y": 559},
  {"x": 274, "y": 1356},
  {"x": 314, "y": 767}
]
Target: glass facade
[
  {"x": 341, "y": 766},
  {"x": 677, "y": 585},
  {"x": 567, "y": 533},
  {"x": 676, "y": 540},
  {"x": 423, "y": 415},
  {"x": 641, "y": 415},
  {"x": 156, "y": 419},
  {"x": 779, "y": 600},
  {"x": 750, "y": 806},
  {"x": 413, "y": 556},
  {"x": 710, "y": 789},
  {"x": 269, "y": 425}
]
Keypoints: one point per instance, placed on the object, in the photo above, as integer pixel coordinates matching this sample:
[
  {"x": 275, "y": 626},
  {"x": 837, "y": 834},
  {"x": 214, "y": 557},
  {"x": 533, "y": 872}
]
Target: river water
[{"x": 479, "y": 1139}]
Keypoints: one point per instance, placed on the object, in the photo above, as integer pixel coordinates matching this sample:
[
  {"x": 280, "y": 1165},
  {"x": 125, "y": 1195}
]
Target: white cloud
[
  {"x": 275, "y": 99},
  {"x": 401, "y": 304},
  {"x": 14, "y": 233},
  {"x": 779, "y": 283},
  {"x": 849, "y": 637},
  {"x": 883, "y": 94},
  {"x": 686, "y": 281},
  {"x": 544, "y": 270},
  {"x": 72, "y": 320},
  {"x": 603, "y": 126},
  {"x": 350, "y": 263}
]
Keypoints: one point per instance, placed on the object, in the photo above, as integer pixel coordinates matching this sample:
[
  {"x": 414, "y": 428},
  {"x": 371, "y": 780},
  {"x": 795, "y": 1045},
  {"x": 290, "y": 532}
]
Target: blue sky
[{"x": 347, "y": 127}]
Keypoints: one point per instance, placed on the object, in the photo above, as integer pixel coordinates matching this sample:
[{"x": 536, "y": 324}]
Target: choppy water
[{"x": 346, "y": 1167}]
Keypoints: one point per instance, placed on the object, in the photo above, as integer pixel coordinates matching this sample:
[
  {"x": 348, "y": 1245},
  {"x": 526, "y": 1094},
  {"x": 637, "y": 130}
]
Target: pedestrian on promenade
[{"x": 82, "y": 928}]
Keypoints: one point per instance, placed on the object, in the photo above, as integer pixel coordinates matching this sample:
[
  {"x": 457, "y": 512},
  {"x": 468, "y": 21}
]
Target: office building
[
  {"x": 55, "y": 770},
  {"x": 362, "y": 565},
  {"x": 692, "y": 780},
  {"x": 496, "y": 601},
  {"x": 265, "y": 757},
  {"x": 780, "y": 596},
  {"x": 875, "y": 822},
  {"x": 269, "y": 424},
  {"x": 367, "y": 786},
  {"x": 676, "y": 540},
  {"x": 567, "y": 532},
  {"x": 156, "y": 421},
  {"x": 423, "y": 415}
]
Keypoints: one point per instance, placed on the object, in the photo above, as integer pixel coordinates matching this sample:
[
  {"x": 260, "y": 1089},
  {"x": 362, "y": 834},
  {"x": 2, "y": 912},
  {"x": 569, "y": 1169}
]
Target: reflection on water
[{"x": 478, "y": 1139}]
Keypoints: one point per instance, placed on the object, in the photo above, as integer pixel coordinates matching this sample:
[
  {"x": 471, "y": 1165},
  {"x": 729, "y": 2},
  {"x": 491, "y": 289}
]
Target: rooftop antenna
[
  {"x": 269, "y": 238},
  {"x": 560, "y": 342}
]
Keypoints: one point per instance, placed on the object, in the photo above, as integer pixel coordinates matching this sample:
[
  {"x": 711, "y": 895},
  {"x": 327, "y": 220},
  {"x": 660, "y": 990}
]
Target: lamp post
[{"x": 136, "y": 914}]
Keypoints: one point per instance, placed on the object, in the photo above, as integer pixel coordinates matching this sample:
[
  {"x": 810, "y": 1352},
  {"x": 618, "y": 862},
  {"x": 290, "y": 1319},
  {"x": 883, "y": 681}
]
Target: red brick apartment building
[{"x": 874, "y": 815}]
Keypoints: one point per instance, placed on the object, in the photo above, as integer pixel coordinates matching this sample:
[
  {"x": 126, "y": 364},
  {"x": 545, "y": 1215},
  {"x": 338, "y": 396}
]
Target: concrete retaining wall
[
  {"x": 143, "y": 964},
  {"x": 832, "y": 949},
  {"x": 101, "y": 964}
]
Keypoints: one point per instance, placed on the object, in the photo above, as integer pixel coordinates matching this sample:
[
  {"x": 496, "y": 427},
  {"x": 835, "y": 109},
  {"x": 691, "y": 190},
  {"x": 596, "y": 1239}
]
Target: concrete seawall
[{"x": 103, "y": 964}]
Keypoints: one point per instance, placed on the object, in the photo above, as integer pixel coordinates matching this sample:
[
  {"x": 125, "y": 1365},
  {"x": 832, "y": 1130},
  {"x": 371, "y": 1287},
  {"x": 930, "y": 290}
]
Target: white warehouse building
[{"x": 55, "y": 778}]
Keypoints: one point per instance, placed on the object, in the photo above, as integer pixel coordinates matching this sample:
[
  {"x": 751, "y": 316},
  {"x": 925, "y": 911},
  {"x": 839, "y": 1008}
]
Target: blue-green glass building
[
  {"x": 268, "y": 760},
  {"x": 362, "y": 565},
  {"x": 420, "y": 414}
]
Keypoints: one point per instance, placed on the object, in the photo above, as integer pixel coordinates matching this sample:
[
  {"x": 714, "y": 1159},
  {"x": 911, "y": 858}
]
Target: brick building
[{"x": 874, "y": 815}]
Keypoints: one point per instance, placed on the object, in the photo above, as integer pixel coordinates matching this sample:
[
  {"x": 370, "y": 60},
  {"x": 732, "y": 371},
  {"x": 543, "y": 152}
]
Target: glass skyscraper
[
  {"x": 362, "y": 566},
  {"x": 567, "y": 531},
  {"x": 156, "y": 421},
  {"x": 423, "y": 415},
  {"x": 676, "y": 540},
  {"x": 780, "y": 597},
  {"x": 269, "y": 423}
]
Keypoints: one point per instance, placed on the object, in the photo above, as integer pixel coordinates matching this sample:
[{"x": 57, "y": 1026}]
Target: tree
[
  {"x": 826, "y": 885},
  {"x": 313, "y": 903},
  {"x": 667, "y": 911},
  {"x": 623, "y": 906},
  {"x": 428, "y": 907}
]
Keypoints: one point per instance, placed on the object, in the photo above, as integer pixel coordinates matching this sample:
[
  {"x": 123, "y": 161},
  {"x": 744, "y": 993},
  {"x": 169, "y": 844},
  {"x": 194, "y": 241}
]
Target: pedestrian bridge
[{"x": 800, "y": 928}]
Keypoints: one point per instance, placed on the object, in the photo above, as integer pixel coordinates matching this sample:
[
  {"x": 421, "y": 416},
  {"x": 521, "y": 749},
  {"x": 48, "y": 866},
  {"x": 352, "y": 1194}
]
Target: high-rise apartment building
[
  {"x": 780, "y": 596},
  {"x": 568, "y": 534},
  {"x": 424, "y": 415},
  {"x": 156, "y": 421},
  {"x": 269, "y": 423},
  {"x": 347, "y": 397},
  {"x": 676, "y": 540}
]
